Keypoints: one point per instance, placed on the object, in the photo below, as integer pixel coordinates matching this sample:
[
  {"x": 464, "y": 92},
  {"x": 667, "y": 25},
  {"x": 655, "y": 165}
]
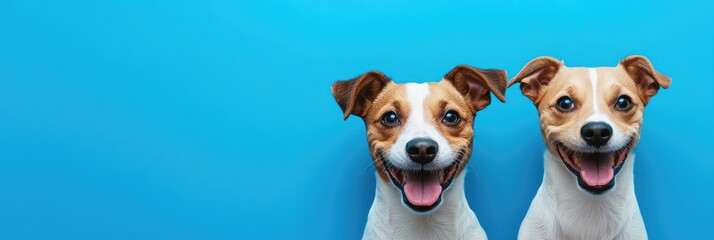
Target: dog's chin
[
  {"x": 421, "y": 189},
  {"x": 596, "y": 170}
]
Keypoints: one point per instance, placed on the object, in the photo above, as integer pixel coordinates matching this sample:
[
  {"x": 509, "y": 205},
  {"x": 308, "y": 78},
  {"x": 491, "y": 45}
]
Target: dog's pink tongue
[
  {"x": 598, "y": 170},
  {"x": 422, "y": 189}
]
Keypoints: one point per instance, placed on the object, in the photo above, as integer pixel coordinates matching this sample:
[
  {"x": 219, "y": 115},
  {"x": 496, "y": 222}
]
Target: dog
[
  {"x": 420, "y": 138},
  {"x": 590, "y": 119}
]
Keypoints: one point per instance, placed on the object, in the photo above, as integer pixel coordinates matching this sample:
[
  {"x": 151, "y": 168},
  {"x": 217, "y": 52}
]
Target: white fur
[
  {"x": 597, "y": 114},
  {"x": 389, "y": 218},
  {"x": 418, "y": 126},
  {"x": 561, "y": 210}
]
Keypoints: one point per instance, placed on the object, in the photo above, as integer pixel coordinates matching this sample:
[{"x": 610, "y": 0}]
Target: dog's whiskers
[{"x": 380, "y": 163}]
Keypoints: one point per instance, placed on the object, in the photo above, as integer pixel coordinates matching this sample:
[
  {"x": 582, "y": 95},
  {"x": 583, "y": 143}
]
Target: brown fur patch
[
  {"x": 379, "y": 137},
  {"x": 442, "y": 98}
]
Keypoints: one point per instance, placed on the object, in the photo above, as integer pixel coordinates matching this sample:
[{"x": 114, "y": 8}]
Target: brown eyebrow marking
[
  {"x": 570, "y": 90},
  {"x": 617, "y": 89},
  {"x": 397, "y": 106},
  {"x": 613, "y": 97},
  {"x": 442, "y": 104}
]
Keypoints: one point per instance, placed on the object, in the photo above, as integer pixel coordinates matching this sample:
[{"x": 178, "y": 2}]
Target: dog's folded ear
[
  {"x": 645, "y": 76},
  {"x": 477, "y": 84},
  {"x": 355, "y": 95},
  {"x": 535, "y": 75}
]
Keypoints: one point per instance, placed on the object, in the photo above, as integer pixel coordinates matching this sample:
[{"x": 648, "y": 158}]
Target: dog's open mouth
[
  {"x": 595, "y": 170},
  {"x": 421, "y": 189}
]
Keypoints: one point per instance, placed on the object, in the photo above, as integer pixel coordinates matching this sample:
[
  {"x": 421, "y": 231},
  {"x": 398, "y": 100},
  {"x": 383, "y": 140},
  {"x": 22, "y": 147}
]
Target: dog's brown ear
[
  {"x": 535, "y": 75},
  {"x": 645, "y": 76},
  {"x": 477, "y": 84},
  {"x": 355, "y": 95}
]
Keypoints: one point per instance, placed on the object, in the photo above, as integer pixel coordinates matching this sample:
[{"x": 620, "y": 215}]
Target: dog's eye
[
  {"x": 565, "y": 104},
  {"x": 623, "y": 103},
  {"x": 390, "y": 119},
  {"x": 451, "y": 118}
]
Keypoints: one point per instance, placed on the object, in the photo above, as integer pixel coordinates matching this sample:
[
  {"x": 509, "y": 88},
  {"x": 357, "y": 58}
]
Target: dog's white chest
[
  {"x": 390, "y": 219},
  {"x": 562, "y": 211}
]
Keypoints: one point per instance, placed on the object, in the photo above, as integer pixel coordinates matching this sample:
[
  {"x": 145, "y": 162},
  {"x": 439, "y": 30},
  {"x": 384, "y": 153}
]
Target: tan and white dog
[
  {"x": 591, "y": 119},
  {"x": 420, "y": 138}
]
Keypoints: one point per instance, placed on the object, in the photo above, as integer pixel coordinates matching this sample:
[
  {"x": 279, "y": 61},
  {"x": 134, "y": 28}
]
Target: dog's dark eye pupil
[
  {"x": 623, "y": 103},
  {"x": 565, "y": 104},
  {"x": 451, "y": 118},
  {"x": 390, "y": 119}
]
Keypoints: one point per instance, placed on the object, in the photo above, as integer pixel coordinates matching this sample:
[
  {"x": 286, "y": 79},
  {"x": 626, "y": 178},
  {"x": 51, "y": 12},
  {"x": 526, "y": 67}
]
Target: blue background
[{"x": 214, "y": 119}]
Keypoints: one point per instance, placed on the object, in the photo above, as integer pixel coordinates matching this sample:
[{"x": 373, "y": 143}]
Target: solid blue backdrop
[{"x": 214, "y": 119}]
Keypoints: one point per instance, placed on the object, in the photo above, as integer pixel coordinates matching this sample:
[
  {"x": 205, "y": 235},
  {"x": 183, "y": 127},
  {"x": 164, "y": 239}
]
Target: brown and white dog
[
  {"x": 591, "y": 119},
  {"x": 420, "y": 138}
]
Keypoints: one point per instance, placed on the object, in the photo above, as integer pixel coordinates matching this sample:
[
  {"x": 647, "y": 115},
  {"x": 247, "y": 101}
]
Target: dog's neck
[
  {"x": 389, "y": 218},
  {"x": 583, "y": 213}
]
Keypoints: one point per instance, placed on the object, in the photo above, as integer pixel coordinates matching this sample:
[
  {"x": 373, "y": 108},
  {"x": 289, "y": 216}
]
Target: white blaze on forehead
[
  {"x": 416, "y": 94},
  {"x": 419, "y": 125},
  {"x": 618, "y": 137},
  {"x": 597, "y": 115}
]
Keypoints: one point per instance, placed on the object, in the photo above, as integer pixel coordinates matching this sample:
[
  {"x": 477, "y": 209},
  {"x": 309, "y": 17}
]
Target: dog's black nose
[
  {"x": 422, "y": 150},
  {"x": 596, "y": 133}
]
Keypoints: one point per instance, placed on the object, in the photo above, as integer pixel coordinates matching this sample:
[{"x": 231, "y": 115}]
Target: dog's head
[
  {"x": 420, "y": 135},
  {"x": 591, "y": 117}
]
